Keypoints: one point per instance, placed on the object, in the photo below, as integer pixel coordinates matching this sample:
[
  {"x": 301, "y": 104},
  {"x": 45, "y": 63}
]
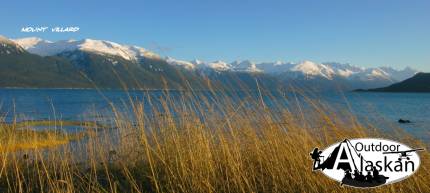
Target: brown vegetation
[{"x": 195, "y": 143}]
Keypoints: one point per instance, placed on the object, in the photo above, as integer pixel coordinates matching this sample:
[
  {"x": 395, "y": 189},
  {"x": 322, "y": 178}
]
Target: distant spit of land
[{"x": 418, "y": 83}]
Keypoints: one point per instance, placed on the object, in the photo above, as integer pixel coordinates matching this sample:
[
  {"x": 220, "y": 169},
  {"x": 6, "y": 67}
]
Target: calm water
[{"x": 382, "y": 109}]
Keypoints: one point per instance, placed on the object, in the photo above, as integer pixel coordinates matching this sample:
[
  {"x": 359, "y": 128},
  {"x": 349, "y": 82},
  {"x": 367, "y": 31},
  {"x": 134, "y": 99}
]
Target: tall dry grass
[{"x": 194, "y": 142}]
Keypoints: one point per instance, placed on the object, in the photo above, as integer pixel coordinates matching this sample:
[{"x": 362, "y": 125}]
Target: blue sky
[{"x": 362, "y": 32}]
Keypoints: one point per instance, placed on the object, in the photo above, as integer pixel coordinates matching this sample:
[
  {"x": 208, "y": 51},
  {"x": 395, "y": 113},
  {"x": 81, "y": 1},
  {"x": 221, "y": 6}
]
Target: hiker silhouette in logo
[
  {"x": 356, "y": 174},
  {"x": 315, "y": 155},
  {"x": 359, "y": 180},
  {"x": 329, "y": 162},
  {"x": 348, "y": 174},
  {"x": 360, "y": 177},
  {"x": 375, "y": 172},
  {"x": 369, "y": 177}
]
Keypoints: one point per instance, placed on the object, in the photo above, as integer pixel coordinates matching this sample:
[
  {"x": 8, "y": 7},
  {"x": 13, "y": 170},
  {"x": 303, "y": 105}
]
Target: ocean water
[{"x": 381, "y": 109}]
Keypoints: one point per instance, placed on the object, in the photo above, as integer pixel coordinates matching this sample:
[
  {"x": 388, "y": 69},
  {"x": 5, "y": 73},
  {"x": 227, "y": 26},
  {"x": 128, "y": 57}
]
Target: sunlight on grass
[
  {"x": 196, "y": 143},
  {"x": 20, "y": 136}
]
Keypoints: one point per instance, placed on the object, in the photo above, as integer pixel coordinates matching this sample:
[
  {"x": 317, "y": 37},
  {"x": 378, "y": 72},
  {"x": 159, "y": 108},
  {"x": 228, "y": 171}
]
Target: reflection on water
[{"x": 380, "y": 109}]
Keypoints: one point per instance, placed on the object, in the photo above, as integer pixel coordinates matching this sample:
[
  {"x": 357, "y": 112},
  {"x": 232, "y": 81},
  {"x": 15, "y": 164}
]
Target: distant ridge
[
  {"x": 305, "y": 70},
  {"x": 37, "y": 63},
  {"x": 418, "y": 83}
]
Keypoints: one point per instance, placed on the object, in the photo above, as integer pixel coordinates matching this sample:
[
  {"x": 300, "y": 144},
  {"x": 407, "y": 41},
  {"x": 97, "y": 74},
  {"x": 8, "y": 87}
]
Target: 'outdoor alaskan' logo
[{"x": 366, "y": 162}]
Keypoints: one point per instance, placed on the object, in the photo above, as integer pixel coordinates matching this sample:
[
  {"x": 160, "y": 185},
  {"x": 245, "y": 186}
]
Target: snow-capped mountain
[
  {"x": 87, "y": 64},
  {"x": 217, "y": 65},
  {"x": 245, "y": 66},
  {"x": 3, "y": 40},
  {"x": 399, "y": 74},
  {"x": 47, "y": 48},
  {"x": 197, "y": 64},
  {"x": 306, "y": 70},
  {"x": 184, "y": 64},
  {"x": 275, "y": 67},
  {"x": 309, "y": 68},
  {"x": 9, "y": 47}
]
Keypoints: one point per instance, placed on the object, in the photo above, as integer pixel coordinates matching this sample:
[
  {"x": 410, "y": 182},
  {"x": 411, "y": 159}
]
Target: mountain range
[{"x": 34, "y": 62}]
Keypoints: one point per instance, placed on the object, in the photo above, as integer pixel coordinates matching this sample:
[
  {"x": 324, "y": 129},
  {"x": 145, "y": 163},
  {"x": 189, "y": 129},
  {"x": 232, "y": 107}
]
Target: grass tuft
[{"x": 199, "y": 143}]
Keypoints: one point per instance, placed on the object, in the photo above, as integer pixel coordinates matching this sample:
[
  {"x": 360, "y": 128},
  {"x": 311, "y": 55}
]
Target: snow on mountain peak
[
  {"x": 314, "y": 69},
  {"x": 278, "y": 63},
  {"x": 245, "y": 66},
  {"x": 29, "y": 42},
  {"x": 345, "y": 73},
  {"x": 3, "y": 39},
  {"x": 185, "y": 64},
  {"x": 48, "y": 48},
  {"x": 377, "y": 72},
  {"x": 219, "y": 65},
  {"x": 107, "y": 47},
  {"x": 197, "y": 62},
  {"x": 307, "y": 68},
  {"x": 9, "y": 47}
]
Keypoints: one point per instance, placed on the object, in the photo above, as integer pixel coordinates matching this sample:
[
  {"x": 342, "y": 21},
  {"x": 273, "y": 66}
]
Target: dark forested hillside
[{"x": 418, "y": 83}]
